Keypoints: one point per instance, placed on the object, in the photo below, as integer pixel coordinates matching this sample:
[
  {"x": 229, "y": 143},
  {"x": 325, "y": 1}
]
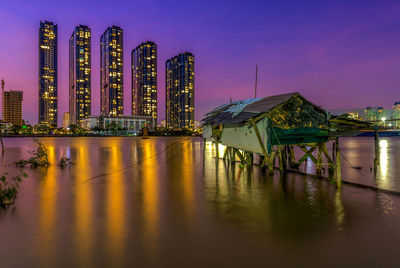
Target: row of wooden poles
[{"x": 284, "y": 155}]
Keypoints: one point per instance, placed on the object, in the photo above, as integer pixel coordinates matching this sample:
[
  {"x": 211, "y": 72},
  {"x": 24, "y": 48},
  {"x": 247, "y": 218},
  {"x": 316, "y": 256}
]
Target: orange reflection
[
  {"x": 188, "y": 180},
  {"x": 150, "y": 194},
  {"x": 83, "y": 206},
  {"x": 115, "y": 205},
  {"x": 47, "y": 211}
]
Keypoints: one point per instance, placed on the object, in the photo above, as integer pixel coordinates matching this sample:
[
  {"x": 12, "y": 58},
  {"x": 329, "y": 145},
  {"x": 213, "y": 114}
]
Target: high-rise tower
[
  {"x": 111, "y": 72},
  {"x": 179, "y": 78},
  {"x": 80, "y": 74},
  {"x": 144, "y": 80},
  {"x": 48, "y": 73}
]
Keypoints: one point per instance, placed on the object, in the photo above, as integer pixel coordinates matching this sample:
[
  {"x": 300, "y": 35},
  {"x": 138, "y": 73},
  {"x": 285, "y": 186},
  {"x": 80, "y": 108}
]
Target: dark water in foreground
[{"x": 157, "y": 202}]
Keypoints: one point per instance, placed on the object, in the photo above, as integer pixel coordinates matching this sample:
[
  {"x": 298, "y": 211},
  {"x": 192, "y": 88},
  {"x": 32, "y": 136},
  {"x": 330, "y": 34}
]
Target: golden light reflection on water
[
  {"x": 48, "y": 211},
  {"x": 188, "y": 179},
  {"x": 83, "y": 206},
  {"x": 115, "y": 207},
  {"x": 383, "y": 158},
  {"x": 150, "y": 196},
  {"x": 339, "y": 209}
]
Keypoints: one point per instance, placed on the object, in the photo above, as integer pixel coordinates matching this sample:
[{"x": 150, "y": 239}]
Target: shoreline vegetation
[{"x": 76, "y": 131}]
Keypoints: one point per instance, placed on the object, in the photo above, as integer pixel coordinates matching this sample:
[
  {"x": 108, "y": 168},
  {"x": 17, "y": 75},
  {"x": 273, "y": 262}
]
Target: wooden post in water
[
  {"x": 281, "y": 163},
  {"x": 376, "y": 139},
  {"x": 216, "y": 149},
  {"x": 319, "y": 160},
  {"x": 338, "y": 165}
]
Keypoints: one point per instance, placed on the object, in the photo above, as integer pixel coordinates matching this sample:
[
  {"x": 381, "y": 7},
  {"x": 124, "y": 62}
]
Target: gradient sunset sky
[{"x": 338, "y": 54}]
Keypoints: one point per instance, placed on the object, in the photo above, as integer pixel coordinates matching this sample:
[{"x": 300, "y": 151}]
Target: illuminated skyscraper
[
  {"x": 48, "y": 73},
  {"x": 12, "y": 111},
  {"x": 179, "y": 77},
  {"x": 111, "y": 72},
  {"x": 79, "y": 74},
  {"x": 144, "y": 80}
]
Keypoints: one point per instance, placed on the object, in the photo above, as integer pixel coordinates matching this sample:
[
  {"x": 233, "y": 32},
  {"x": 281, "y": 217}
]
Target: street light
[{"x": 383, "y": 120}]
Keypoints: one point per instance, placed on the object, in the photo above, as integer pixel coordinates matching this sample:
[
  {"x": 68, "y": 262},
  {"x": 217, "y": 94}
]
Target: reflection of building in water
[
  {"x": 115, "y": 209},
  {"x": 383, "y": 158},
  {"x": 47, "y": 216},
  {"x": 150, "y": 190},
  {"x": 83, "y": 224}
]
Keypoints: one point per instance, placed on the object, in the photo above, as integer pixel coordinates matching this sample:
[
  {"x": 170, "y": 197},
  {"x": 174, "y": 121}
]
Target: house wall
[{"x": 245, "y": 138}]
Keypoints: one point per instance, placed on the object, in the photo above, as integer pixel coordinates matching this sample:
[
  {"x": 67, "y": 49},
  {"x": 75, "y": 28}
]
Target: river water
[{"x": 161, "y": 202}]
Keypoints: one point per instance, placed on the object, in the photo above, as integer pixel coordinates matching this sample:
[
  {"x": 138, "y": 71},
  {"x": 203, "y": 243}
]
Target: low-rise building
[
  {"x": 129, "y": 123},
  {"x": 66, "y": 120}
]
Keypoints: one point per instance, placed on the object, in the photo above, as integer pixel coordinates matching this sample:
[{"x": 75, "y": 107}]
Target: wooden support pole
[
  {"x": 265, "y": 153},
  {"x": 330, "y": 162},
  {"x": 319, "y": 160},
  {"x": 338, "y": 169},
  {"x": 281, "y": 163},
  {"x": 311, "y": 156},
  {"x": 239, "y": 154},
  {"x": 271, "y": 162},
  {"x": 216, "y": 149},
  {"x": 225, "y": 153},
  {"x": 306, "y": 155},
  {"x": 376, "y": 159},
  {"x": 249, "y": 159}
]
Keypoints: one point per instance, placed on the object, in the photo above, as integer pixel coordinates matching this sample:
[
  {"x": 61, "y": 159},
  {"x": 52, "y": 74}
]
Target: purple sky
[{"x": 337, "y": 54}]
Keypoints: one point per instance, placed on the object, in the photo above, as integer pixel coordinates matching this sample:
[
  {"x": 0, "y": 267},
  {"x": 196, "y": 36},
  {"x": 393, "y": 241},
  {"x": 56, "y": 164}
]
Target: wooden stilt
[
  {"x": 281, "y": 164},
  {"x": 319, "y": 160},
  {"x": 249, "y": 159},
  {"x": 216, "y": 149},
  {"x": 338, "y": 166},
  {"x": 376, "y": 159},
  {"x": 271, "y": 161}
]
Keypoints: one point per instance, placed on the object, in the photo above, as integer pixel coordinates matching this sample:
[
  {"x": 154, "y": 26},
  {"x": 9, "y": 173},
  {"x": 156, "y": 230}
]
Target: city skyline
[{"x": 313, "y": 53}]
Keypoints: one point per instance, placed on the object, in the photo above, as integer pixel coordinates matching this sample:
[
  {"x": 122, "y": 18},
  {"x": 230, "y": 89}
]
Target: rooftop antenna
[{"x": 255, "y": 86}]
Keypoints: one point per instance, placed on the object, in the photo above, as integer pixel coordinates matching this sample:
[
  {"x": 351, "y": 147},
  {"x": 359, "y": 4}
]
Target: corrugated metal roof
[
  {"x": 268, "y": 103},
  {"x": 240, "y": 111}
]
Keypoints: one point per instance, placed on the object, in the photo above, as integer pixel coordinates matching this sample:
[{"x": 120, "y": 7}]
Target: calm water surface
[{"x": 161, "y": 202}]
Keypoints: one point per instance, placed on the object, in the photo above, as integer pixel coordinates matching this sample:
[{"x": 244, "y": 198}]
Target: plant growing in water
[
  {"x": 64, "y": 161},
  {"x": 39, "y": 156},
  {"x": 9, "y": 188}
]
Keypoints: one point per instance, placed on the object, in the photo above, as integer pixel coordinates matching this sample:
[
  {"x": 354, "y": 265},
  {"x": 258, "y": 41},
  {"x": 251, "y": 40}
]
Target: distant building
[
  {"x": 2, "y": 97},
  {"x": 66, "y": 120},
  {"x": 111, "y": 72},
  {"x": 130, "y": 123},
  {"x": 12, "y": 107},
  {"x": 370, "y": 114},
  {"x": 396, "y": 114},
  {"x": 354, "y": 115},
  {"x": 90, "y": 122},
  {"x": 163, "y": 123},
  {"x": 196, "y": 124},
  {"x": 380, "y": 113},
  {"x": 79, "y": 74},
  {"x": 179, "y": 77},
  {"x": 48, "y": 94},
  {"x": 144, "y": 80}
]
